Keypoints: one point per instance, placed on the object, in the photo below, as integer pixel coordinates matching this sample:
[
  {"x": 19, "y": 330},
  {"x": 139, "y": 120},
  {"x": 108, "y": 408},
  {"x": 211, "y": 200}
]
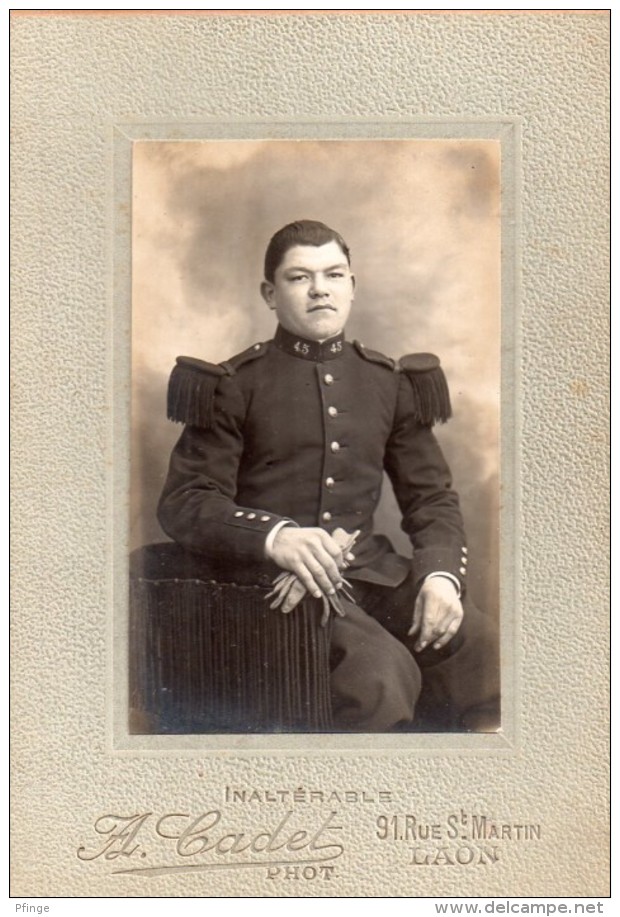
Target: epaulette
[
  {"x": 431, "y": 396},
  {"x": 246, "y": 356},
  {"x": 193, "y": 382},
  {"x": 373, "y": 355},
  {"x": 191, "y": 389}
]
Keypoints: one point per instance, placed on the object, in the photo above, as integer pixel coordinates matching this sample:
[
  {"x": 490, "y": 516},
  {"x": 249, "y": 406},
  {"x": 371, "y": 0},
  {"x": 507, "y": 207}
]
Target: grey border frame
[{"x": 122, "y": 135}]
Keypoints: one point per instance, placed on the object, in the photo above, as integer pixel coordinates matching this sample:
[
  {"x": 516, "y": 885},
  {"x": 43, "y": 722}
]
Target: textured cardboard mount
[{"x": 521, "y": 813}]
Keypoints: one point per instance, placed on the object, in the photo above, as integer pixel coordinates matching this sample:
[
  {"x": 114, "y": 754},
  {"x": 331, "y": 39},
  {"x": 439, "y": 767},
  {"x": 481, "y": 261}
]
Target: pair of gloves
[{"x": 288, "y": 590}]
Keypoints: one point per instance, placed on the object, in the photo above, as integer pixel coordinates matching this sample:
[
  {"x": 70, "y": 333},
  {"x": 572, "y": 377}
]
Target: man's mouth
[{"x": 321, "y": 307}]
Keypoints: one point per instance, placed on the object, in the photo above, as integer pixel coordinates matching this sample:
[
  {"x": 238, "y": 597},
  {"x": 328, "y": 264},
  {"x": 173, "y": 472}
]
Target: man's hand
[
  {"x": 437, "y": 614},
  {"x": 313, "y": 555}
]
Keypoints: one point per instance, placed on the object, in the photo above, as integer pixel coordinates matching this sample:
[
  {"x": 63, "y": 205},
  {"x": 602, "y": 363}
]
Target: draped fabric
[{"x": 213, "y": 657}]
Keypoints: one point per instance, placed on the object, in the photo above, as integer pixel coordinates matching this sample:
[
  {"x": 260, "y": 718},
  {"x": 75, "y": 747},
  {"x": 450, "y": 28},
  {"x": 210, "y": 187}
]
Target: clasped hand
[
  {"x": 314, "y": 560},
  {"x": 313, "y": 555}
]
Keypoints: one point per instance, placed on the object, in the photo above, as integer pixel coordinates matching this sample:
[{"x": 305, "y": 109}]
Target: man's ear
[
  {"x": 353, "y": 283},
  {"x": 266, "y": 291}
]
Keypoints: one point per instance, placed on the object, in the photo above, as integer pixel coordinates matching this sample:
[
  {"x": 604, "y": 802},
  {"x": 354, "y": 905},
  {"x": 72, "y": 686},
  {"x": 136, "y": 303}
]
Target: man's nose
[{"x": 318, "y": 287}]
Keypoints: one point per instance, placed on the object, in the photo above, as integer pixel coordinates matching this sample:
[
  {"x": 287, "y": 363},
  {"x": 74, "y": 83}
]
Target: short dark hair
[{"x": 301, "y": 232}]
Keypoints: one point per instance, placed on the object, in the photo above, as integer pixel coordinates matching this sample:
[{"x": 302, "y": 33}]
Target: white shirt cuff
[
  {"x": 271, "y": 537},
  {"x": 447, "y": 576}
]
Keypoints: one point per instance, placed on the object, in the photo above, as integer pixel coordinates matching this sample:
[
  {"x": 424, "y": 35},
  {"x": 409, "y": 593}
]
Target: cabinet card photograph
[
  {"x": 315, "y": 436},
  {"x": 310, "y": 487}
]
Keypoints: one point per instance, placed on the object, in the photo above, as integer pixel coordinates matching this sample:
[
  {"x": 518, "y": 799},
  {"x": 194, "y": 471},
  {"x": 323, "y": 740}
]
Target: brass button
[
  {"x": 328, "y": 378},
  {"x": 333, "y": 412},
  {"x": 251, "y": 515},
  {"x": 238, "y": 514},
  {"x": 335, "y": 447},
  {"x": 265, "y": 518},
  {"x": 329, "y": 482},
  {"x": 256, "y": 346},
  {"x": 327, "y": 517},
  {"x": 464, "y": 561},
  {"x": 464, "y": 549},
  {"x": 462, "y": 571}
]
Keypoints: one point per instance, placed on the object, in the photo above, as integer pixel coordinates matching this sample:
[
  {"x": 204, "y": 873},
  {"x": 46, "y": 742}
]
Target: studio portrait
[{"x": 315, "y": 492}]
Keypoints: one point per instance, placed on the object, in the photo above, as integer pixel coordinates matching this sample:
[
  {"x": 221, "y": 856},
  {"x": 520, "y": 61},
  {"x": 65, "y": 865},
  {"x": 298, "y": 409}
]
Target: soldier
[{"x": 286, "y": 444}]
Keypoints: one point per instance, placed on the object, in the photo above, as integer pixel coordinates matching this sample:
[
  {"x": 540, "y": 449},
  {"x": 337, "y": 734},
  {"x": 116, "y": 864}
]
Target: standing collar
[{"x": 309, "y": 350}]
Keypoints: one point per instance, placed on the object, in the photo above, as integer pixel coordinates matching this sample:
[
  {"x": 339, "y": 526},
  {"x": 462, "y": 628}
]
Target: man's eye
[
  {"x": 336, "y": 274},
  {"x": 298, "y": 277}
]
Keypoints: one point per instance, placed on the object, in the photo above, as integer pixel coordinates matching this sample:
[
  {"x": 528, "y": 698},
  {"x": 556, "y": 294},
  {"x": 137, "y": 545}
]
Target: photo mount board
[{"x": 541, "y": 785}]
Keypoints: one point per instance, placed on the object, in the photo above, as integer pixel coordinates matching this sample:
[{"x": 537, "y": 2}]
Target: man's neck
[{"x": 305, "y": 349}]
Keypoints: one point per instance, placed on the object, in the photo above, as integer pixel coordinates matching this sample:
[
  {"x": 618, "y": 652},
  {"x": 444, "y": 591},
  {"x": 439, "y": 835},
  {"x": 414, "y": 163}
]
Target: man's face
[{"x": 312, "y": 291}]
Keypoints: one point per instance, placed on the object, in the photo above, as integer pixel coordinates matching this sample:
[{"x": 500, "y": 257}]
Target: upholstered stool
[{"x": 212, "y": 657}]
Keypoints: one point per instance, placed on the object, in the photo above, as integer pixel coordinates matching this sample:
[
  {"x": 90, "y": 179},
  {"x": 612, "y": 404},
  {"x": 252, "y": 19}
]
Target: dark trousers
[{"x": 380, "y": 683}]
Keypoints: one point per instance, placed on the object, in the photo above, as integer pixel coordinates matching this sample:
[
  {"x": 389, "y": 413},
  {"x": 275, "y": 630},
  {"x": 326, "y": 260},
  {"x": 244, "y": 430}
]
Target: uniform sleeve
[
  {"x": 197, "y": 508},
  {"x": 423, "y": 488}
]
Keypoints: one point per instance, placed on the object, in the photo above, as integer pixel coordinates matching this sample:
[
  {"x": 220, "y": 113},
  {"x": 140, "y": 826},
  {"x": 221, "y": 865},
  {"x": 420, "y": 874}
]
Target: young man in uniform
[{"x": 286, "y": 444}]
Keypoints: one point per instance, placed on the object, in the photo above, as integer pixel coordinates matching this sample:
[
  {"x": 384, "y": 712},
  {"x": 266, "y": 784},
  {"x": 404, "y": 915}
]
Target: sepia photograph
[
  {"x": 310, "y": 405},
  {"x": 315, "y": 456}
]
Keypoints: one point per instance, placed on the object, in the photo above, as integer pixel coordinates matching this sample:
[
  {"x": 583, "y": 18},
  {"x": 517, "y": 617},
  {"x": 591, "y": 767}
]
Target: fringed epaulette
[
  {"x": 191, "y": 391},
  {"x": 373, "y": 355},
  {"x": 430, "y": 390}
]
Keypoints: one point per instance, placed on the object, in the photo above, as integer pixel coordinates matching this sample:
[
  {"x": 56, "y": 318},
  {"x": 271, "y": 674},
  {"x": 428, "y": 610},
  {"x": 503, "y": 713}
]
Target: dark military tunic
[{"x": 303, "y": 431}]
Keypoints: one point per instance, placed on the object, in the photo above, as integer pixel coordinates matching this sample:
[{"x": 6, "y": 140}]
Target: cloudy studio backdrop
[{"x": 422, "y": 218}]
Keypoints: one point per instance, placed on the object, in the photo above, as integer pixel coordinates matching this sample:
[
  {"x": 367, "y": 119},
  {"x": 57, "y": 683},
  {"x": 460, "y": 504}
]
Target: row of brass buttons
[
  {"x": 240, "y": 515},
  {"x": 334, "y": 446}
]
